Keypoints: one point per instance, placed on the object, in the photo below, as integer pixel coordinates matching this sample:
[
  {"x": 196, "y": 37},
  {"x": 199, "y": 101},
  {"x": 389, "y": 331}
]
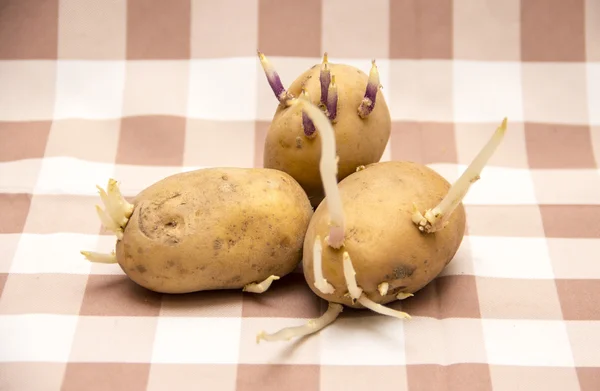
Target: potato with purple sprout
[
  {"x": 382, "y": 233},
  {"x": 353, "y": 104}
]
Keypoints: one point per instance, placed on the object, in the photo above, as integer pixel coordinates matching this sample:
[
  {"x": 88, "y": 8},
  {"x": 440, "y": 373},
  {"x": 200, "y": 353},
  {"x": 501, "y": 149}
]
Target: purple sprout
[
  {"x": 273, "y": 78},
  {"x": 368, "y": 103},
  {"x": 325, "y": 79}
]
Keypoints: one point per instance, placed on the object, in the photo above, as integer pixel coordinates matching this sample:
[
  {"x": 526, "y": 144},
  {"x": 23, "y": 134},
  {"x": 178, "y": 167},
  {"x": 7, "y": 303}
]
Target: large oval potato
[
  {"x": 216, "y": 228},
  {"x": 381, "y": 233},
  {"x": 381, "y": 238}
]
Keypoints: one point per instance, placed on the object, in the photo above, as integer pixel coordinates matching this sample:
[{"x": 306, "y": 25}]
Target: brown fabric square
[
  {"x": 559, "y": 146},
  {"x": 342, "y": 35},
  {"x": 152, "y": 140},
  {"x": 31, "y": 376},
  {"x": 589, "y": 378},
  {"x": 14, "y": 209},
  {"x": 180, "y": 377},
  {"x": 361, "y": 378},
  {"x": 82, "y": 217},
  {"x": 552, "y": 30},
  {"x": 290, "y": 28},
  {"x": 29, "y": 29},
  {"x": 423, "y": 142},
  {"x": 43, "y": 293},
  {"x": 288, "y": 297},
  {"x": 206, "y": 304},
  {"x": 105, "y": 376},
  {"x": 579, "y": 298},
  {"x": 444, "y": 297},
  {"x": 260, "y": 134},
  {"x": 209, "y": 19},
  {"x": 455, "y": 377},
  {"x": 537, "y": 299},
  {"x": 207, "y": 140},
  {"x": 3, "y": 278},
  {"x": 487, "y": 30},
  {"x": 267, "y": 377},
  {"x": 68, "y": 135},
  {"x": 513, "y": 378},
  {"x": 592, "y": 27},
  {"x": 471, "y": 137},
  {"x": 117, "y": 295},
  {"x": 158, "y": 29},
  {"x": 571, "y": 221},
  {"x": 23, "y": 140},
  {"x": 92, "y": 29},
  {"x": 421, "y": 29}
]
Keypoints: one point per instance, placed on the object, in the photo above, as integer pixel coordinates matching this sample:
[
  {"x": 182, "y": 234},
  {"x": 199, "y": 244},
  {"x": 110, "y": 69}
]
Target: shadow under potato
[{"x": 289, "y": 296}]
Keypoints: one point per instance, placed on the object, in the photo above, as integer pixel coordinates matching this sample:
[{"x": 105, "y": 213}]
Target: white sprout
[
  {"x": 260, "y": 287},
  {"x": 320, "y": 282},
  {"x": 114, "y": 218},
  {"x": 328, "y": 169},
  {"x": 437, "y": 218},
  {"x": 311, "y": 327},
  {"x": 383, "y": 288}
]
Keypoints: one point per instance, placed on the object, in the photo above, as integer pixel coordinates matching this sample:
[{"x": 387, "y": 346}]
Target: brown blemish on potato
[
  {"x": 403, "y": 271},
  {"x": 234, "y": 280},
  {"x": 217, "y": 244},
  {"x": 245, "y": 224},
  {"x": 285, "y": 242},
  {"x": 227, "y": 188},
  {"x": 283, "y": 143},
  {"x": 141, "y": 268},
  {"x": 154, "y": 224},
  {"x": 183, "y": 271},
  {"x": 352, "y": 235},
  {"x": 171, "y": 240}
]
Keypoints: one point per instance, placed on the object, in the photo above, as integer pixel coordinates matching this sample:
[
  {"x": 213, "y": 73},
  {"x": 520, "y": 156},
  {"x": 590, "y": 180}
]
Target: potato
[
  {"x": 380, "y": 236},
  {"x": 209, "y": 229},
  {"x": 353, "y": 103},
  {"x": 369, "y": 243}
]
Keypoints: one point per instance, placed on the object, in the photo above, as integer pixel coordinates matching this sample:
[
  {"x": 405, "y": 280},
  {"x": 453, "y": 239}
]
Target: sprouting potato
[
  {"x": 382, "y": 233},
  {"x": 208, "y": 229},
  {"x": 353, "y": 104}
]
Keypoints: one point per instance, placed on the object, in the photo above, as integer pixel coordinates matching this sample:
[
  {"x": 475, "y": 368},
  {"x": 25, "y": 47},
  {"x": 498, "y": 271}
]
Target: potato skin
[
  {"x": 358, "y": 141},
  {"x": 216, "y": 228},
  {"x": 381, "y": 239}
]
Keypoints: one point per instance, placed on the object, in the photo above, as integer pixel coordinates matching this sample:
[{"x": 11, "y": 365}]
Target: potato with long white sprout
[
  {"x": 384, "y": 249},
  {"x": 353, "y": 103},
  {"x": 208, "y": 229}
]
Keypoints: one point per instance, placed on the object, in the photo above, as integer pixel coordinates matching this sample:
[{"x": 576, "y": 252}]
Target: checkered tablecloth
[{"x": 140, "y": 89}]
